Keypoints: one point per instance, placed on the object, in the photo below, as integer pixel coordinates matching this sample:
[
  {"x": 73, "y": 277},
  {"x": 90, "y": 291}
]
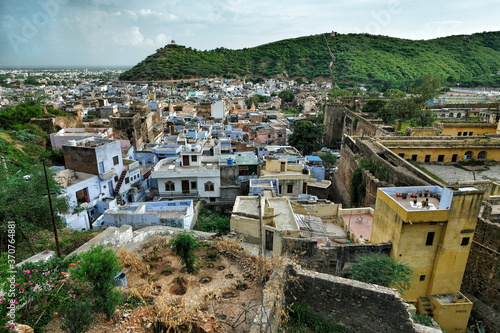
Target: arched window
[
  {"x": 169, "y": 186},
  {"x": 209, "y": 186},
  {"x": 482, "y": 155},
  {"x": 468, "y": 155}
]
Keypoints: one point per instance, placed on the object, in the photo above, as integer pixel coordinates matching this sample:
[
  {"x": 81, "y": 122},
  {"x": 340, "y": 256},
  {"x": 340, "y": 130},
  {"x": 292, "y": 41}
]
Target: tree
[
  {"x": 335, "y": 93},
  {"x": 329, "y": 160},
  {"x": 374, "y": 105},
  {"x": 382, "y": 270},
  {"x": 184, "y": 245},
  {"x": 393, "y": 93},
  {"x": 286, "y": 96},
  {"x": 307, "y": 136},
  {"x": 23, "y": 200}
]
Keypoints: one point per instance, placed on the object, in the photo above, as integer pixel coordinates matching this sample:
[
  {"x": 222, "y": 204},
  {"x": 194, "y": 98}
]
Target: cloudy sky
[{"x": 37, "y": 33}]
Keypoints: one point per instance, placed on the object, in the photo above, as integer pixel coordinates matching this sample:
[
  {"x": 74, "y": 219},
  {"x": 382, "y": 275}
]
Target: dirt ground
[{"x": 223, "y": 295}]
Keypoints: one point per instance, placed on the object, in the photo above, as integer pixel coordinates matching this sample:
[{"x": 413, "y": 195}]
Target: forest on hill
[{"x": 387, "y": 62}]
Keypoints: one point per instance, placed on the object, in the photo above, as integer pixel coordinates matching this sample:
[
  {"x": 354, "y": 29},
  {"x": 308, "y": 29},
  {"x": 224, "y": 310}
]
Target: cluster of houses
[{"x": 143, "y": 154}]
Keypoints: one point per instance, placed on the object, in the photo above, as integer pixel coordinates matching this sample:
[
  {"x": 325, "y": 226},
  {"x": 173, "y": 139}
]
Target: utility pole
[{"x": 51, "y": 210}]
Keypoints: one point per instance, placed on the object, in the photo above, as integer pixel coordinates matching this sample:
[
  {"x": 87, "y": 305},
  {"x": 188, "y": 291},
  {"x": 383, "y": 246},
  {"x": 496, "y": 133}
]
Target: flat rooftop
[
  {"x": 410, "y": 204},
  {"x": 360, "y": 224},
  {"x": 285, "y": 219},
  {"x": 248, "y": 205}
]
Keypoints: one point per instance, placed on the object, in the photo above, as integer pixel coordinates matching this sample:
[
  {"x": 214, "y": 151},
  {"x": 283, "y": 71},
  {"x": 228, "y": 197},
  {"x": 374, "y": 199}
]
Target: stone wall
[
  {"x": 53, "y": 124},
  {"x": 400, "y": 172},
  {"x": 334, "y": 124},
  {"x": 482, "y": 273},
  {"x": 328, "y": 259},
  {"x": 359, "y": 306}
]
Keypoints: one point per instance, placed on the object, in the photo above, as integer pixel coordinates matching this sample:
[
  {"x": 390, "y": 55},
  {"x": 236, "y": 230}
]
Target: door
[
  {"x": 185, "y": 160},
  {"x": 283, "y": 167},
  {"x": 185, "y": 186},
  {"x": 269, "y": 240},
  {"x": 101, "y": 167},
  {"x": 111, "y": 189}
]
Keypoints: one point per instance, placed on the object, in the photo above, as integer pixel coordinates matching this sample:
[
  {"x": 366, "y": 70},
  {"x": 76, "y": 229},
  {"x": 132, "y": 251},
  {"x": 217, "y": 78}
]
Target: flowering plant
[{"x": 39, "y": 292}]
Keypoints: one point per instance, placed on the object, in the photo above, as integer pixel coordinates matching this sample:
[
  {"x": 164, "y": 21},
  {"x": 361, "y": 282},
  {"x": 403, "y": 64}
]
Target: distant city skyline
[{"x": 120, "y": 33}]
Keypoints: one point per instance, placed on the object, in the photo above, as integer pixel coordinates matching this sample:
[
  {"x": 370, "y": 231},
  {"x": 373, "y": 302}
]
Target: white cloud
[
  {"x": 149, "y": 12},
  {"x": 133, "y": 37},
  {"x": 162, "y": 39}
]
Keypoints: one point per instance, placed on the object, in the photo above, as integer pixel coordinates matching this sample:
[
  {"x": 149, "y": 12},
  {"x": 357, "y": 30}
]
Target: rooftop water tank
[
  {"x": 72, "y": 143},
  {"x": 229, "y": 161}
]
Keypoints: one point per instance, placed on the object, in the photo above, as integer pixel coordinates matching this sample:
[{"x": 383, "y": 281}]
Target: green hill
[{"x": 389, "y": 62}]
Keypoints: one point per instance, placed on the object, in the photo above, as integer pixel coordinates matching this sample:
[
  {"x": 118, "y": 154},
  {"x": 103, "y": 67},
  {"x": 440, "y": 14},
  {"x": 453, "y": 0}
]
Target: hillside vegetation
[{"x": 384, "y": 61}]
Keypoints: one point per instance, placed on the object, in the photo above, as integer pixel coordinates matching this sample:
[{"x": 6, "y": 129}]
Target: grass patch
[
  {"x": 303, "y": 320},
  {"x": 69, "y": 240},
  {"x": 423, "y": 320},
  {"x": 210, "y": 220}
]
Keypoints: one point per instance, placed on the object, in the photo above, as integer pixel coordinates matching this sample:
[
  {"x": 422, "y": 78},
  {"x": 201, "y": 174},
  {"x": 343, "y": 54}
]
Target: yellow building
[
  {"x": 292, "y": 178},
  {"x": 264, "y": 220},
  {"x": 434, "y": 241},
  {"x": 467, "y": 129},
  {"x": 440, "y": 149}
]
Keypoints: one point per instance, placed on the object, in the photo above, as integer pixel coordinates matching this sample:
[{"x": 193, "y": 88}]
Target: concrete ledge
[{"x": 42, "y": 256}]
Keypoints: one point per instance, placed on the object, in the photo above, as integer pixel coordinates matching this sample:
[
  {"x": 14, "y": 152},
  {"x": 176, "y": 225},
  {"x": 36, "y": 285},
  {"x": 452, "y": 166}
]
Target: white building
[
  {"x": 192, "y": 175},
  {"x": 178, "y": 214}
]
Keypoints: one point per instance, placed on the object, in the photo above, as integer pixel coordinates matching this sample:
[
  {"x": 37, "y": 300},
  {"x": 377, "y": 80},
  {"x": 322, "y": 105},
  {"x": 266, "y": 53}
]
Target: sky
[{"x": 120, "y": 33}]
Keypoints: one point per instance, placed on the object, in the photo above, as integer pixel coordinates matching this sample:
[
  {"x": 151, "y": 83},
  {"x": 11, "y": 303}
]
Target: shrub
[
  {"x": 378, "y": 269},
  {"x": 78, "y": 318},
  {"x": 184, "y": 245},
  {"x": 422, "y": 320},
  {"x": 98, "y": 268}
]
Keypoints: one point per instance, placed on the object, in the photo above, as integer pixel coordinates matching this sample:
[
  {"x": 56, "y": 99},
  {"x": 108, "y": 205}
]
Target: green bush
[
  {"x": 302, "y": 319},
  {"x": 379, "y": 269},
  {"x": 422, "y": 320},
  {"x": 78, "y": 318},
  {"x": 184, "y": 245},
  {"x": 98, "y": 268},
  {"x": 210, "y": 220}
]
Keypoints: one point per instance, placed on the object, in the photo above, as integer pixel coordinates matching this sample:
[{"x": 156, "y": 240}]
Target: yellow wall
[
  {"x": 452, "y": 317},
  {"x": 327, "y": 211},
  {"x": 466, "y": 130},
  {"x": 246, "y": 226},
  {"x": 452, "y": 256},
  {"x": 443, "y": 262},
  {"x": 493, "y": 153}
]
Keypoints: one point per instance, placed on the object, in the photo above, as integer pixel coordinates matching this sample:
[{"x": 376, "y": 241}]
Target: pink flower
[{"x": 16, "y": 284}]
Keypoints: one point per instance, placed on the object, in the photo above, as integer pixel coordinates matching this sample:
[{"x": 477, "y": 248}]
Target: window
[
  {"x": 414, "y": 157},
  {"x": 482, "y": 155},
  {"x": 440, "y": 158},
  {"x": 127, "y": 180},
  {"x": 269, "y": 136},
  {"x": 427, "y": 158},
  {"x": 459, "y": 133},
  {"x": 194, "y": 185},
  {"x": 454, "y": 157},
  {"x": 468, "y": 155},
  {"x": 289, "y": 189},
  {"x": 402, "y": 155},
  {"x": 422, "y": 278},
  {"x": 470, "y": 133},
  {"x": 115, "y": 160},
  {"x": 465, "y": 241},
  {"x": 194, "y": 158},
  {"x": 169, "y": 186},
  {"x": 116, "y": 179},
  {"x": 280, "y": 135},
  {"x": 209, "y": 187},
  {"x": 279, "y": 190},
  {"x": 430, "y": 239}
]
